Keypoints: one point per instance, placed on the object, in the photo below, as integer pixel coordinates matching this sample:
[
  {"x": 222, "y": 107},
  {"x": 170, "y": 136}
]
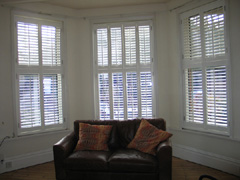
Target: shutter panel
[
  {"x": 116, "y": 46},
  {"x": 52, "y": 97},
  {"x": 102, "y": 47},
  {"x": 194, "y": 95},
  {"x": 144, "y": 44},
  {"x": 29, "y": 101},
  {"x": 104, "y": 101},
  {"x": 132, "y": 95},
  {"x": 146, "y": 94},
  {"x": 51, "y": 46},
  {"x": 214, "y": 32},
  {"x": 130, "y": 45},
  {"x": 192, "y": 37},
  {"x": 118, "y": 100},
  {"x": 27, "y": 47},
  {"x": 217, "y": 111}
]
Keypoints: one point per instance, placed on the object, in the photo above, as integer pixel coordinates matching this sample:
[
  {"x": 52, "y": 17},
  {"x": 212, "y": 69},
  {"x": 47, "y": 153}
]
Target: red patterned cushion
[
  {"x": 148, "y": 137},
  {"x": 93, "y": 137}
]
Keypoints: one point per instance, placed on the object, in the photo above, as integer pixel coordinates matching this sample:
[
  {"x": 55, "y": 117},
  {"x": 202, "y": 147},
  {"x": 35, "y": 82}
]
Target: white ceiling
[{"x": 87, "y": 4}]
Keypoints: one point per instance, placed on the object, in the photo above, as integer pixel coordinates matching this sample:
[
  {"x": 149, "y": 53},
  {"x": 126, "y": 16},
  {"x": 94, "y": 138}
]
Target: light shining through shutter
[
  {"x": 217, "y": 113},
  {"x": 104, "y": 101},
  {"x": 51, "y": 49},
  {"x": 214, "y": 32},
  {"x": 52, "y": 97},
  {"x": 130, "y": 45},
  {"x": 146, "y": 94},
  {"x": 144, "y": 44},
  {"x": 116, "y": 46},
  {"x": 192, "y": 38},
  {"x": 102, "y": 47},
  {"x": 27, "y": 44},
  {"x": 194, "y": 95},
  {"x": 118, "y": 99},
  {"x": 29, "y": 101},
  {"x": 132, "y": 95}
]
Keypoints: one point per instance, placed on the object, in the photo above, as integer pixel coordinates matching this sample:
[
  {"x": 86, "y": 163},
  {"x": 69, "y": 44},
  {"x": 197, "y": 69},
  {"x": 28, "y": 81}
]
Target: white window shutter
[
  {"x": 27, "y": 44},
  {"x": 144, "y": 44},
  {"x": 132, "y": 95},
  {"x": 102, "y": 47},
  {"x": 217, "y": 111},
  {"x": 192, "y": 38},
  {"x": 29, "y": 101},
  {"x": 52, "y": 99},
  {"x": 104, "y": 100},
  {"x": 118, "y": 96},
  {"x": 130, "y": 45},
  {"x": 51, "y": 46},
  {"x": 214, "y": 32},
  {"x": 116, "y": 46},
  {"x": 194, "y": 95},
  {"x": 146, "y": 94}
]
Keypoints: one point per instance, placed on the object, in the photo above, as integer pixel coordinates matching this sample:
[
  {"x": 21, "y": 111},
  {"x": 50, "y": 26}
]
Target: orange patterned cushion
[
  {"x": 93, "y": 137},
  {"x": 147, "y": 138}
]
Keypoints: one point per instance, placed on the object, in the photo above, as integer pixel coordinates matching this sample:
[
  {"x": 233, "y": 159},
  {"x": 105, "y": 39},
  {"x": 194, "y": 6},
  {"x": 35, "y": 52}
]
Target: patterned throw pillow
[
  {"x": 148, "y": 137},
  {"x": 93, "y": 137}
]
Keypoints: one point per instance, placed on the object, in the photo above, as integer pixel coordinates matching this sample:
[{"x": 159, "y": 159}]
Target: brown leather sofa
[{"x": 119, "y": 163}]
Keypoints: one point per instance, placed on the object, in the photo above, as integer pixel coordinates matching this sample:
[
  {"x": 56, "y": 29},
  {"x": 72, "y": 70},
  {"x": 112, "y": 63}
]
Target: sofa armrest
[
  {"x": 164, "y": 156},
  {"x": 61, "y": 150}
]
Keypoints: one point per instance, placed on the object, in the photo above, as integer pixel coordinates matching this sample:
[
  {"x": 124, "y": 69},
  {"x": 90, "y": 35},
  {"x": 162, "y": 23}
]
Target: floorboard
[{"x": 182, "y": 170}]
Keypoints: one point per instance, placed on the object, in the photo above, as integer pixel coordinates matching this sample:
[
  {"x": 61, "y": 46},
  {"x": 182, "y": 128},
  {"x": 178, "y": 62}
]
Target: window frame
[
  {"x": 40, "y": 70},
  {"x": 122, "y": 22},
  {"x": 203, "y": 64}
]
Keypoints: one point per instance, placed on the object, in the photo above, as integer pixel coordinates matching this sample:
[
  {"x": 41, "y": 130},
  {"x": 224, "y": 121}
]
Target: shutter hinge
[
  {"x": 62, "y": 62},
  {"x": 226, "y": 49},
  {"x": 151, "y": 28},
  {"x": 62, "y": 76},
  {"x": 17, "y": 76},
  {"x": 19, "y": 125},
  {"x": 184, "y": 118},
  {"x": 224, "y": 8},
  {"x": 182, "y": 56},
  {"x": 64, "y": 119},
  {"x": 152, "y": 59}
]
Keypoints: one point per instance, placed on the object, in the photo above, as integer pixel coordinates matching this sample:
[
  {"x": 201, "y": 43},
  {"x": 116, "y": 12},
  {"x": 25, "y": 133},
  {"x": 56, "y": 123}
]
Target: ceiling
[{"x": 87, "y": 4}]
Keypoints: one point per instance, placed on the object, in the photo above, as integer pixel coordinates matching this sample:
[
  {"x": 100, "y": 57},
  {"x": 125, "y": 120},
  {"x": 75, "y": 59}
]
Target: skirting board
[
  {"x": 26, "y": 160},
  {"x": 226, "y": 164}
]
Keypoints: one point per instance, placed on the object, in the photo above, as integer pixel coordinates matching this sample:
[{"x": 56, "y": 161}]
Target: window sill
[{"x": 207, "y": 134}]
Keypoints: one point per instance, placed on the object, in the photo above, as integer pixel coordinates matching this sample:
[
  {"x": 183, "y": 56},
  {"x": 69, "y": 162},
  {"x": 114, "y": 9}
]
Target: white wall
[{"x": 80, "y": 81}]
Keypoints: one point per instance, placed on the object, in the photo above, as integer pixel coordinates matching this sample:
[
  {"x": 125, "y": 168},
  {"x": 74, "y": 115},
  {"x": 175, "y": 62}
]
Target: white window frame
[
  {"x": 122, "y": 68},
  {"x": 59, "y": 70},
  {"x": 202, "y": 64}
]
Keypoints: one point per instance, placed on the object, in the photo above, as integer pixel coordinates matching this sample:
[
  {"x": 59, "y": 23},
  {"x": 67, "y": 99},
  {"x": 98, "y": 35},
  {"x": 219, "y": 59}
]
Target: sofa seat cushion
[
  {"x": 130, "y": 160},
  {"x": 88, "y": 160}
]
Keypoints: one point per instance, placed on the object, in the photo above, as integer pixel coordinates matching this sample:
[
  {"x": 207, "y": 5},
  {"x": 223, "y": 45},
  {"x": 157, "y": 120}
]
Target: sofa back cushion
[{"x": 122, "y": 131}]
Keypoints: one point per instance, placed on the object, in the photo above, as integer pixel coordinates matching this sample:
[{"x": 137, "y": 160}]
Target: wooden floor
[{"x": 182, "y": 170}]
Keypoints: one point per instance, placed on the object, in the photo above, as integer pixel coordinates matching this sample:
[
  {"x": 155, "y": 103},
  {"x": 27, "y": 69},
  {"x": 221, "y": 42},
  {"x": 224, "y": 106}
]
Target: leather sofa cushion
[
  {"x": 130, "y": 160},
  {"x": 88, "y": 160}
]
